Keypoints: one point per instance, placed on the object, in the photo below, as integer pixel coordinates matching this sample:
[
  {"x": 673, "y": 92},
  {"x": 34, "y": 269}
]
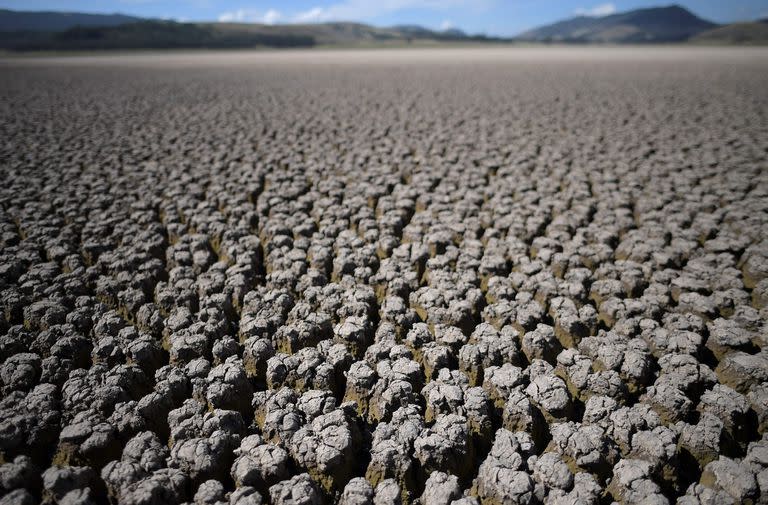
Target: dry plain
[{"x": 435, "y": 276}]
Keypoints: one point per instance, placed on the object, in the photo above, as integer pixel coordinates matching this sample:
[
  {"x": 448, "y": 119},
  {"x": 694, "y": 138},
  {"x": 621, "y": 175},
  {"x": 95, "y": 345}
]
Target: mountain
[
  {"x": 354, "y": 33},
  {"x": 658, "y": 24},
  {"x": 19, "y": 21},
  {"x": 737, "y": 33},
  {"x": 420, "y": 32},
  {"x": 30, "y": 31},
  {"x": 151, "y": 34}
]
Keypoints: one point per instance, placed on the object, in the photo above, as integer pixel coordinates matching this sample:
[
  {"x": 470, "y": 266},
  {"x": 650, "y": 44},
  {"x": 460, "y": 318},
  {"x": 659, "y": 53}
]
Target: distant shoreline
[{"x": 367, "y": 47}]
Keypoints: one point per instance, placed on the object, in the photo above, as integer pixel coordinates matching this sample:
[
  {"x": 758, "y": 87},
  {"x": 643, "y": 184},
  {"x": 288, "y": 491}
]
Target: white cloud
[
  {"x": 270, "y": 17},
  {"x": 598, "y": 10},
  {"x": 310, "y": 16},
  {"x": 238, "y": 16},
  {"x": 359, "y": 10},
  {"x": 446, "y": 25}
]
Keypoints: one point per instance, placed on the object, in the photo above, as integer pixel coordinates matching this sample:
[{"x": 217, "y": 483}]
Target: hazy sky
[{"x": 497, "y": 17}]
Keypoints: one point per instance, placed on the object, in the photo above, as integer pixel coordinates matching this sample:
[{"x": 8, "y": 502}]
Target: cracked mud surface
[{"x": 445, "y": 277}]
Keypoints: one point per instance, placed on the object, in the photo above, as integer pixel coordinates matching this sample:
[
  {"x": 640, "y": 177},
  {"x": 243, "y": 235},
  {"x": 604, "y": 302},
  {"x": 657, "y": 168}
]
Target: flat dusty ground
[{"x": 436, "y": 276}]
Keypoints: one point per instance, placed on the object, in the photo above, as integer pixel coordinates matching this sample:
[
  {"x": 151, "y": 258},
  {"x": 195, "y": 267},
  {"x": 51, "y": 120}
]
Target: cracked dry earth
[{"x": 433, "y": 277}]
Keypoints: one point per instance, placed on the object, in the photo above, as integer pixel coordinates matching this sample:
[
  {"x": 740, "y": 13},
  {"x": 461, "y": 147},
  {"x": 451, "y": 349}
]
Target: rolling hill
[
  {"x": 152, "y": 35},
  {"x": 659, "y": 24},
  {"x": 33, "y": 31},
  {"x": 346, "y": 33},
  {"x": 737, "y": 33},
  {"x": 20, "y": 21},
  {"x": 155, "y": 34}
]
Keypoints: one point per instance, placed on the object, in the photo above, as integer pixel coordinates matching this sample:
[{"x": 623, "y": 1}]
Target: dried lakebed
[{"x": 439, "y": 277}]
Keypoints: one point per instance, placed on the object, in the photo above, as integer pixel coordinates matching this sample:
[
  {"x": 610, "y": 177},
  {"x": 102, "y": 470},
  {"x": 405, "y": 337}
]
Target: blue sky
[{"x": 495, "y": 17}]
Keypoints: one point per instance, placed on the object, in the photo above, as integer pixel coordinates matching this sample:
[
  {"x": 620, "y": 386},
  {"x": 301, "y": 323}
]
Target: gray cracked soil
[{"x": 434, "y": 276}]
